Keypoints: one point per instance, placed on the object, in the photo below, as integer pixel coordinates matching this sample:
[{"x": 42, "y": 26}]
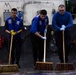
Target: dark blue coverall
[
  {"x": 57, "y": 22},
  {"x": 38, "y": 25},
  {"x": 15, "y": 25}
]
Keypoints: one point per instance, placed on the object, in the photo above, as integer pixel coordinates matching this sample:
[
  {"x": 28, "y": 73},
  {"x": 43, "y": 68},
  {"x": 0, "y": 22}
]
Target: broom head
[
  {"x": 9, "y": 68},
  {"x": 64, "y": 66},
  {"x": 44, "y": 66}
]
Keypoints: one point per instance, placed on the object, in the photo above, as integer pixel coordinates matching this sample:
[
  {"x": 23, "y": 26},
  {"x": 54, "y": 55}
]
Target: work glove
[
  {"x": 44, "y": 38},
  {"x": 63, "y": 28},
  {"x": 13, "y": 32},
  {"x": 45, "y": 30}
]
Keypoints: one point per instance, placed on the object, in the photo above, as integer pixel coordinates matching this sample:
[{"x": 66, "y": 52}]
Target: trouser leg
[
  {"x": 35, "y": 47},
  {"x": 59, "y": 42},
  {"x": 18, "y": 49},
  {"x": 41, "y": 49}
]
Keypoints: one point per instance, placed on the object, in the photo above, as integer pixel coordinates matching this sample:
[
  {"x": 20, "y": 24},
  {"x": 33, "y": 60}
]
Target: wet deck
[{"x": 26, "y": 60}]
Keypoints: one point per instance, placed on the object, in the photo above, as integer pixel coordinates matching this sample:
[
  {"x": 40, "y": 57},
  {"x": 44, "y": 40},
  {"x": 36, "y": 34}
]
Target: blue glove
[
  {"x": 45, "y": 30},
  {"x": 63, "y": 27}
]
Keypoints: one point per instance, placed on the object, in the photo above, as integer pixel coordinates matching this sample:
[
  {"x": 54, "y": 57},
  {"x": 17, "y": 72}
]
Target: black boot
[
  {"x": 34, "y": 62},
  {"x": 66, "y": 59},
  {"x": 18, "y": 66},
  {"x": 12, "y": 61},
  {"x": 17, "y": 62},
  {"x": 61, "y": 59}
]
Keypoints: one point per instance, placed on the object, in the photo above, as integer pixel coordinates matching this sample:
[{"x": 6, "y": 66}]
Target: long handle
[
  {"x": 9, "y": 61},
  {"x": 63, "y": 47},
  {"x": 44, "y": 47}
]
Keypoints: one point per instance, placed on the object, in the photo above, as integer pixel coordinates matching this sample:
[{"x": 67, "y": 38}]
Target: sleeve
[
  {"x": 34, "y": 26},
  {"x": 70, "y": 22},
  {"x": 6, "y": 25},
  {"x": 22, "y": 25},
  {"x": 54, "y": 23}
]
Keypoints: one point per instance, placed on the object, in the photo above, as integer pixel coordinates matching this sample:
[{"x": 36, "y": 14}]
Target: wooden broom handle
[
  {"x": 44, "y": 47},
  {"x": 9, "y": 61},
  {"x": 63, "y": 46}
]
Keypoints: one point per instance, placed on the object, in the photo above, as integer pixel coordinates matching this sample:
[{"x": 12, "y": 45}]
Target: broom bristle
[
  {"x": 64, "y": 66},
  {"x": 8, "y": 68},
  {"x": 44, "y": 66}
]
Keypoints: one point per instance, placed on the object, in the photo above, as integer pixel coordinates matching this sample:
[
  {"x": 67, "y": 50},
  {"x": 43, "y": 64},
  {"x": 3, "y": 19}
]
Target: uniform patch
[
  {"x": 45, "y": 20},
  {"x": 40, "y": 23},
  {"x": 18, "y": 22},
  {"x": 9, "y": 21}
]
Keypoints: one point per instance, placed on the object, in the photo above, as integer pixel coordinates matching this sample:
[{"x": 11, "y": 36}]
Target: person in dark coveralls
[
  {"x": 14, "y": 26},
  {"x": 38, "y": 27},
  {"x": 62, "y": 21}
]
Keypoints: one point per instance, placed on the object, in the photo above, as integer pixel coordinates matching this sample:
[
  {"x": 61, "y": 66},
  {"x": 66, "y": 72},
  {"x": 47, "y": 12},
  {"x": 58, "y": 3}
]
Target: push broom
[
  {"x": 44, "y": 65},
  {"x": 10, "y": 67},
  {"x": 64, "y": 66}
]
